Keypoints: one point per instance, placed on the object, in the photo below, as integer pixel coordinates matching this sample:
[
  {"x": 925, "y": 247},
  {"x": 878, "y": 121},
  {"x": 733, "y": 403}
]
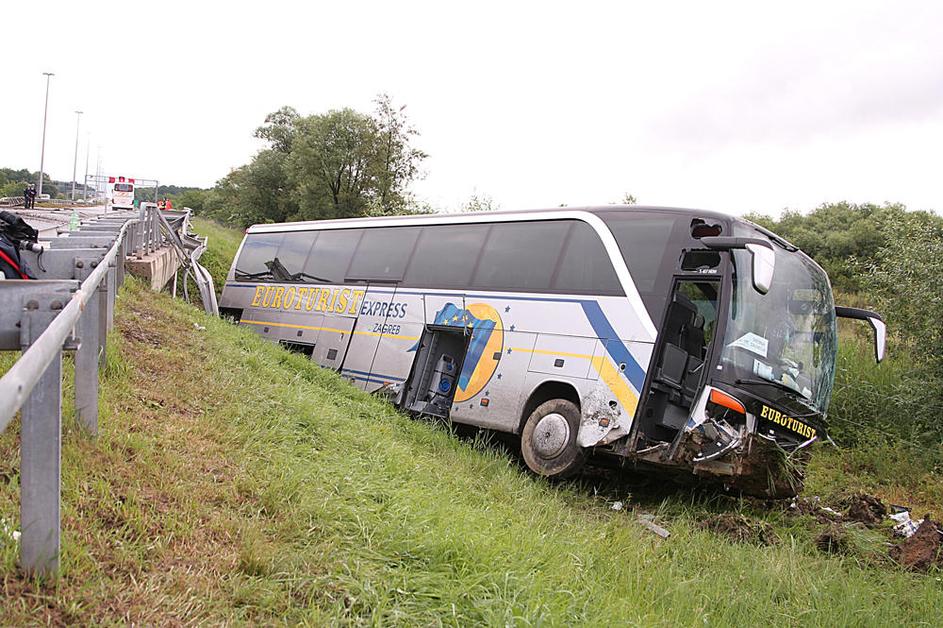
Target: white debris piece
[
  {"x": 9, "y": 531},
  {"x": 617, "y": 505},
  {"x": 648, "y": 521},
  {"x": 905, "y": 525}
]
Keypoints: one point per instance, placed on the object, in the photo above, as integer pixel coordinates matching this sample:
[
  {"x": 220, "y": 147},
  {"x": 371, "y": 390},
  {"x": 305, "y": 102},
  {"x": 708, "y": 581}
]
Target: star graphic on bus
[{"x": 486, "y": 340}]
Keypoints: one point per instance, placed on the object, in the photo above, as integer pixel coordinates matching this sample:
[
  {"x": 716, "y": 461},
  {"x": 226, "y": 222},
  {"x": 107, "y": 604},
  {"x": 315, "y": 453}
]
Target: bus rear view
[{"x": 121, "y": 192}]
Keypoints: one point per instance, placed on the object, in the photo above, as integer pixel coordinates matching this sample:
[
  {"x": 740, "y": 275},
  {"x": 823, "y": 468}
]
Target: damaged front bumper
[{"x": 725, "y": 441}]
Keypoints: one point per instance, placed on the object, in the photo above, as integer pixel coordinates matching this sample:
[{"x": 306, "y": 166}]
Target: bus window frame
[
  {"x": 407, "y": 282},
  {"x": 357, "y": 279}
]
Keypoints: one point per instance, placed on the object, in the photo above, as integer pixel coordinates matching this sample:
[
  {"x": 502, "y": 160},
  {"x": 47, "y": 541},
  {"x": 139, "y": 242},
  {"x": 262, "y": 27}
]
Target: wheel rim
[{"x": 551, "y": 435}]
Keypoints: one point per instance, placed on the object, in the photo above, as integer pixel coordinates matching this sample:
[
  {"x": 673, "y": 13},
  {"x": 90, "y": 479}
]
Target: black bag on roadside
[{"x": 13, "y": 231}]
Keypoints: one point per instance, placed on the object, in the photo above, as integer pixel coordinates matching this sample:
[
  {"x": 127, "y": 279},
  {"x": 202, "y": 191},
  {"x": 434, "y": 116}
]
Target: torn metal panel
[{"x": 603, "y": 420}]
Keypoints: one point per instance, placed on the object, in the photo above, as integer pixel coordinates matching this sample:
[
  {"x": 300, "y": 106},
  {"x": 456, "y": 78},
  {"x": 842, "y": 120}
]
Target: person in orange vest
[
  {"x": 168, "y": 204},
  {"x": 160, "y": 204}
]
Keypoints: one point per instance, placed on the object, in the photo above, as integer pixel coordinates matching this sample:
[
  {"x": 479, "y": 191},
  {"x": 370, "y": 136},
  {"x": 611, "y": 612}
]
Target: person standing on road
[
  {"x": 26, "y": 196},
  {"x": 32, "y": 195}
]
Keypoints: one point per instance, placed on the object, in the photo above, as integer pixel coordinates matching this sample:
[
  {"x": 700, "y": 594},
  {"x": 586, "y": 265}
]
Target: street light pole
[
  {"x": 75, "y": 156},
  {"x": 88, "y": 139},
  {"x": 42, "y": 153}
]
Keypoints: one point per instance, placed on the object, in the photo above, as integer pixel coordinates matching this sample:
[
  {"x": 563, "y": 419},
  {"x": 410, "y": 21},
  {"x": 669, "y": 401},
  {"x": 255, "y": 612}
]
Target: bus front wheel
[{"x": 548, "y": 440}]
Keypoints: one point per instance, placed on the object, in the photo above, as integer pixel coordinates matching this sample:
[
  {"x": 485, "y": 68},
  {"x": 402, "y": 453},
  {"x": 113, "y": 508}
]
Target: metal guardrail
[
  {"x": 12, "y": 201},
  {"x": 70, "y": 307},
  {"x": 19, "y": 201}
]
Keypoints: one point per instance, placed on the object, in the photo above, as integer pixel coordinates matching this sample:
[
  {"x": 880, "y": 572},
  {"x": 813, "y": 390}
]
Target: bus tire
[{"x": 548, "y": 440}]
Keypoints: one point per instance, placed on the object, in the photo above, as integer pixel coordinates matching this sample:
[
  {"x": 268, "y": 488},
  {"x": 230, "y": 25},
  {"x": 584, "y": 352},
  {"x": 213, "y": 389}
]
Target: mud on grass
[{"x": 234, "y": 482}]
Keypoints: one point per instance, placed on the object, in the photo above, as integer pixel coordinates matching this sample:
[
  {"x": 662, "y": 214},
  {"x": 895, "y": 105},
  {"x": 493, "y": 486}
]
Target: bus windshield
[{"x": 787, "y": 337}]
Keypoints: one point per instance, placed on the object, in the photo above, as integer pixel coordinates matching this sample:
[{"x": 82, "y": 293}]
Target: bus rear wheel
[{"x": 548, "y": 440}]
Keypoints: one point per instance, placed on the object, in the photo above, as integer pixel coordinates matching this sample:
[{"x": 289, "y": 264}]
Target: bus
[
  {"x": 121, "y": 192},
  {"x": 658, "y": 339}
]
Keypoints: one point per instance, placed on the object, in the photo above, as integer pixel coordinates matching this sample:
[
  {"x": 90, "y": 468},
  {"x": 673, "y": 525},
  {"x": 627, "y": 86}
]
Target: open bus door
[{"x": 682, "y": 352}]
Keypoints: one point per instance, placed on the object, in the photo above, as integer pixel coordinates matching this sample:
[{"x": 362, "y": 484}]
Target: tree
[
  {"x": 903, "y": 275},
  {"x": 279, "y": 129},
  {"x": 332, "y": 164},
  {"x": 397, "y": 161},
  {"x": 338, "y": 164},
  {"x": 842, "y": 236},
  {"x": 628, "y": 199},
  {"x": 480, "y": 203}
]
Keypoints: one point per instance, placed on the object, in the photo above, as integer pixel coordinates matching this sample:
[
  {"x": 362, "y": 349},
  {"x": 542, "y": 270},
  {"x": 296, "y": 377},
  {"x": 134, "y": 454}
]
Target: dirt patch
[
  {"x": 833, "y": 540},
  {"x": 865, "y": 508},
  {"x": 923, "y": 549},
  {"x": 740, "y": 529},
  {"x": 813, "y": 507},
  {"x": 138, "y": 331}
]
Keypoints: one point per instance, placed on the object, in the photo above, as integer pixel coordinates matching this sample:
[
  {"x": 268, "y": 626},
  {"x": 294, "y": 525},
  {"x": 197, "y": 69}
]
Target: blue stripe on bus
[
  {"x": 369, "y": 380},
  {"x": 614, "y": 346},
  {"x": 386, "y": 378}
]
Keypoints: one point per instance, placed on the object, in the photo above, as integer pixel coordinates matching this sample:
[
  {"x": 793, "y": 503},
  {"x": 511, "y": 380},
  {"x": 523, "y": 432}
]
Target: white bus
[
  {"x": 121, "y": 192},
  {"x": 679, "y": 340}
]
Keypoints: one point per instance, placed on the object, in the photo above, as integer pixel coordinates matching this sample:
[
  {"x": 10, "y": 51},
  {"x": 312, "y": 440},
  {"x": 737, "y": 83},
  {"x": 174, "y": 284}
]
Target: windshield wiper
[
  {"x": 241, "y": 275},
  {"x": 298, "y": 276},
  {"x": 778, "y": 385}
]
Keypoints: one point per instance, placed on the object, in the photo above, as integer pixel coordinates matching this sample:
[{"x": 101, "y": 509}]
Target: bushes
[
  {"x": 901, "y": 400},
  {"x": 895, "y": 401}
]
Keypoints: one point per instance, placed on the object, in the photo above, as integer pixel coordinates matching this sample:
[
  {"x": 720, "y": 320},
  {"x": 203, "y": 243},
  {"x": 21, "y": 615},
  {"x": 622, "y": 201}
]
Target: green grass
[
  {"x": 222, "y": 247},
  {"x": 235, "y": 482}
]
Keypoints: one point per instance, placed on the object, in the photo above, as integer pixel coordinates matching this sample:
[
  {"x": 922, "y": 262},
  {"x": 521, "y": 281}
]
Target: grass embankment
[
  {"x": 233, "y": 481},
  {"x": 223, "y": 244}
]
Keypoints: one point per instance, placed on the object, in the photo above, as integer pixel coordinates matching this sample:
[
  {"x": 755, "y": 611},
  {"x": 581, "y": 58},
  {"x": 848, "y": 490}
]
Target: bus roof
[{"x": 503, "y": 215}]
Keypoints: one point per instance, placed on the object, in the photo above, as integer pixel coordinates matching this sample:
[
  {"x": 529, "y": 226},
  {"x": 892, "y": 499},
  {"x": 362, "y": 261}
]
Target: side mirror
[
  {"x": 762, "y": 255},
  {"x": 876, "y": 322}
]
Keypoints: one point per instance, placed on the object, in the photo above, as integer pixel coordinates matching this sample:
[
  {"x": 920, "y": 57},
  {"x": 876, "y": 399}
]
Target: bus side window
[
  {"x": 259, "y": 249},
  {"x": 382, "y": 254},
  {"x": 331, "y": 254},
  {"x": 294, "y": 251},
  {"x": 521, "y": 256},
  {"x": 586, "y": 267},
  {"x": 445, "y": 256},
  {"x": 650, "y": 244}
]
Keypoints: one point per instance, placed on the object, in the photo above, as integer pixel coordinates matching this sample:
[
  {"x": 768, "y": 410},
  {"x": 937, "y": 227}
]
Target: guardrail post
[
  {"x": 112, "y": 294},
  {"x": 40, "y": 447},
  {"x": 119, "y": 270},
  {"x": 86, "y": 357},
  {"x": 102, "y": 298}
]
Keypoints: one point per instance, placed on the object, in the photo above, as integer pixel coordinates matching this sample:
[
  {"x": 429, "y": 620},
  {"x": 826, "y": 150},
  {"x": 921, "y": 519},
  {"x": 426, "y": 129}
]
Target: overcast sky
[{"x": 730, "y": 106}]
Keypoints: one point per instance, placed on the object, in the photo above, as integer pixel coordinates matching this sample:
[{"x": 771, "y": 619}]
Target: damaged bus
[{"x": 677, "y": 341}]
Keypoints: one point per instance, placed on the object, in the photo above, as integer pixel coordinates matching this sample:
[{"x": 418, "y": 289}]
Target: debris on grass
[
  {"x": 813, "y": 507},
  {"x": 741, "y": 529},
  {"x": 9, "y": 531},
  {"x": 833, "y": 540},
  {"x": 617, "y": 506},
  {"x": 904, "y": 526},
  {"x": 923, "y": 549},
  {"x": 865, "y": 508},
  {"x": 648, "y": 522}
]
